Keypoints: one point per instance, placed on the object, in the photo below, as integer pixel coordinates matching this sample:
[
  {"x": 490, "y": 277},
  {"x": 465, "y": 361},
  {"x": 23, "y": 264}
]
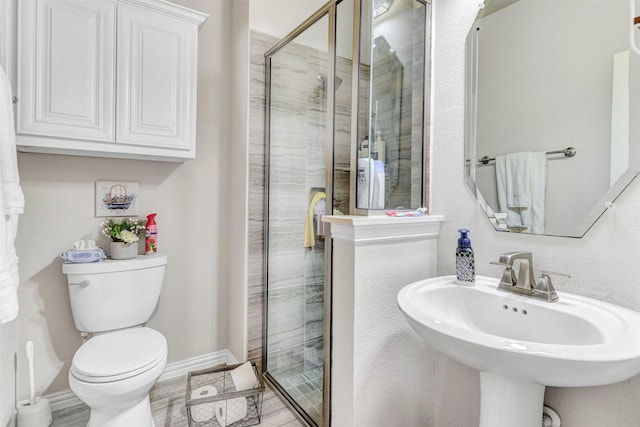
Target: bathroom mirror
[
  {"x": 392, "y": 105},
  {"x": 555, "y": 78}
]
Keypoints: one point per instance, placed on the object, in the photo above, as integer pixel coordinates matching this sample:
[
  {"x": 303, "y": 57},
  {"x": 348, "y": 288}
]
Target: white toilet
[{"x": 114, "y": 370}]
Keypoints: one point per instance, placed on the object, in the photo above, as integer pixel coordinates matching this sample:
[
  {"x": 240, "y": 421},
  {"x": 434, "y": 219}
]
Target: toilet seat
[{"x": 119, "y": 355}]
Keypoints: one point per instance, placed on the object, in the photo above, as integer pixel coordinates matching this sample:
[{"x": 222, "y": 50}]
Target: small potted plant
[{"x": 124, "y": 236}]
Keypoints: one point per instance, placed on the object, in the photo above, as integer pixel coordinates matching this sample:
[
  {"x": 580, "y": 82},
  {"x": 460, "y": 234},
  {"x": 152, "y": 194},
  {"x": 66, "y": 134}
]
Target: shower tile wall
[
  {"x": 342, "y": 137},
  {"x": 259, "y": 44},
  {"x": 398, "y": 84},
  {"x": 387, "y": 100},
  {"x": 398, "y": 90},
  {"x": 296, "y": 327},
  {"x": 419, "y": 117},
  {"x": 297, "y": 170}
]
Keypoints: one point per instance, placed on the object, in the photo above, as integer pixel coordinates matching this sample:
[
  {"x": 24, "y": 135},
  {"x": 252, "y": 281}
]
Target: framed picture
[{"x": 116, "y": 198}]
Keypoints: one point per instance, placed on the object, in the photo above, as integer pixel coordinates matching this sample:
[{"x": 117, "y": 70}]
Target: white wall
[
  {"x": 279, "y": 17},
  {"x": 603, "y": 264},
  {"x": 238, "y": 180},
  {"x": 191, "y": 200}
]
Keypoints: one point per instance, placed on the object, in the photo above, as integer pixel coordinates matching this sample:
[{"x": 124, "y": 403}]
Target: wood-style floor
[{"x": 167, "y": 406}]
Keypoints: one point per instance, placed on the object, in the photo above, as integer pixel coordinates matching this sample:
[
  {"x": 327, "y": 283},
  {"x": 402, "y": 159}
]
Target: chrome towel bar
[{"x": 568, "y": 152}]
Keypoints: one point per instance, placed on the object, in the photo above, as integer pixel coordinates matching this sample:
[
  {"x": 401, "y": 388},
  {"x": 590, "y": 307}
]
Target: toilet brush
[{"x": 33, "y": 412}]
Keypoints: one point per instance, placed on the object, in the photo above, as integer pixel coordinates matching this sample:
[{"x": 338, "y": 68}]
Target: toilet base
[{"x": 137, "y": 415}]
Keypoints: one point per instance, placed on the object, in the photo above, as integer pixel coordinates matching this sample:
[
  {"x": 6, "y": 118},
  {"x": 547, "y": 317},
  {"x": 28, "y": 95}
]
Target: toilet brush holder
[{"x": 37, "y": 414}]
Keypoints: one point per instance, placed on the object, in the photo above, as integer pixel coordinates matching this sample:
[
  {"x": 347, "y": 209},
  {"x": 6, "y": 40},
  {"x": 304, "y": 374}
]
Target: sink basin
[{"x": 521, "y": 344}]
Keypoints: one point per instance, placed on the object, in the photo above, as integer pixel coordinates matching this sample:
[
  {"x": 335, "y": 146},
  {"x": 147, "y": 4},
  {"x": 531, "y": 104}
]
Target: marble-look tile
[
  {"x": 76, "y": 416},
  {"x": 314, "y": 266},
  {"x": 314, "y": 292},
  {"x": 313, "y": 353},
  {"x": 286, "y": 317},
  {"x": 259, "y": 44},
  {"x": 283, "y": 362},
  {"x": 313, "y": 327}
]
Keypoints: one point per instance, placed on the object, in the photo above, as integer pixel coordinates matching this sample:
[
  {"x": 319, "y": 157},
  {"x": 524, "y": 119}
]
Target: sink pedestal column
[{"x": 507, "y": 402}]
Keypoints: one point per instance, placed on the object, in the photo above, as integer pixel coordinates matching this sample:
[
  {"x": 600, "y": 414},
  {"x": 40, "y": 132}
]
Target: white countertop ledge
[{"x": 380, "y": 228}]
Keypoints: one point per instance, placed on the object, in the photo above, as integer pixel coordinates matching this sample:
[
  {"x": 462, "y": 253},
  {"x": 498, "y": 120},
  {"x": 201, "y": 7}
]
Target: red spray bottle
[{"x": 151, "y": 234}]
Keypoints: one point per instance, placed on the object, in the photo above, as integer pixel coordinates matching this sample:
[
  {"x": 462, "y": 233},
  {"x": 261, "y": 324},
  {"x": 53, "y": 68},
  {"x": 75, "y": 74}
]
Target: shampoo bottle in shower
[
  {"x": 364, "y": 147},
  {"x": 378, "y": 148},
  {"x": 364, "y": 187},
  {"x": 151, "y": 235},
  {"x": 465, "y": 264}
]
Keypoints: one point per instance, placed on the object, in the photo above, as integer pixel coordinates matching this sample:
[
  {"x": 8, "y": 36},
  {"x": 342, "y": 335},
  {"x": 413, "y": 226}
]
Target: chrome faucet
[{"x": 524, "y": 283}]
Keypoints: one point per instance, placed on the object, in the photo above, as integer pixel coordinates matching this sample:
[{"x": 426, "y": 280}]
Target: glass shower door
[{"x": 297, "y": 199}]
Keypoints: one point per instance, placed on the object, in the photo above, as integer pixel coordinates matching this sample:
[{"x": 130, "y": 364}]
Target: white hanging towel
[
  {"x": 11, "y": 205},
  {"x": 521, "y": 183},
  {"x": 534, "y": 216},
  {"x": 514, "y": 219},
  {"x": 517, "y": 174}
]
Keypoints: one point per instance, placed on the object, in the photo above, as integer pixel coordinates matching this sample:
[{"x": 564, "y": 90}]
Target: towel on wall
[
  {"x": 522, "y": 182},
  {"x": 11, "y": 205}
]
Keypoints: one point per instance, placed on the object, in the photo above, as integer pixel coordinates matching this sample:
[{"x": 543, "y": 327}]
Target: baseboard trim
[
  {"x": 182, "y": 367},
  {"x": 63, "y": 399},
  {"x": 66, "y": 398}
]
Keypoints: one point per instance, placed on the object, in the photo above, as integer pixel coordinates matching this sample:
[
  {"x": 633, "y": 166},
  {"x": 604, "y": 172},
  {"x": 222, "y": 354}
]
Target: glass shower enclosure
[
  {"x": 321, "y": 105},
  {"x": 299, "y": 193}
]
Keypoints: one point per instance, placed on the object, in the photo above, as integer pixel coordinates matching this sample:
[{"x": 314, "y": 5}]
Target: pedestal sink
[{"x": 520, "y": 345}]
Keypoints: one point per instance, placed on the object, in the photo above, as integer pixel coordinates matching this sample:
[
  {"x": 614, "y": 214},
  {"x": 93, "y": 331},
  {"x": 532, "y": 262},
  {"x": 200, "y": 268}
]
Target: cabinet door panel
[
  {"x": 66, "y": 75},
  {"x": 156, "y": 79}
]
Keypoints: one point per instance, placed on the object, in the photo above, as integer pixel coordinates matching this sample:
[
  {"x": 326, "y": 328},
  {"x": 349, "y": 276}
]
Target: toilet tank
[{"x": 114, "y": 294}]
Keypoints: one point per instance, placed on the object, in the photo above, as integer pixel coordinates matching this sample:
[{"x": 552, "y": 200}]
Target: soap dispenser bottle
[{"x": 465, "y": 264}]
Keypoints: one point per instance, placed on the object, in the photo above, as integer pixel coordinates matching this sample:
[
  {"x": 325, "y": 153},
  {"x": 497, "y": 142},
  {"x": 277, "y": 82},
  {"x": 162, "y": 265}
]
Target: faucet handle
[
  {"x": 553, "y": 273},
  {"x": 544, "y": 286},
  {"x": 502, "y": 264},
  {"x": 508, "y": 277}
]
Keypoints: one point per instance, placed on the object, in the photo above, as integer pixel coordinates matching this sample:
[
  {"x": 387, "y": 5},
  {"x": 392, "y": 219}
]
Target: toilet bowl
[
  {"x": 113, "y": 373},
  {"x": 114, "y": 370}
]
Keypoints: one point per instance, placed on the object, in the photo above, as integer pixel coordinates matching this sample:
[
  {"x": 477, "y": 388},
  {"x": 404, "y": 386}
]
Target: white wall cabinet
[{"x": 108, "y": 78}]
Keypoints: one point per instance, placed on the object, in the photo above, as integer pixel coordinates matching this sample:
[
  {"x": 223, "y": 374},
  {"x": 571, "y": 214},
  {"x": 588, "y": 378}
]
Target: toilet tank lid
[{"x": 112, "y": 265}]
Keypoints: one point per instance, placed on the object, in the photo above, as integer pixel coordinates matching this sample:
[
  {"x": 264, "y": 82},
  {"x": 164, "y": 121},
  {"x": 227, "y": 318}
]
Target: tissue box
[
  {"x": 212, "y": 399},
  {"x": 83, "y": 255}
]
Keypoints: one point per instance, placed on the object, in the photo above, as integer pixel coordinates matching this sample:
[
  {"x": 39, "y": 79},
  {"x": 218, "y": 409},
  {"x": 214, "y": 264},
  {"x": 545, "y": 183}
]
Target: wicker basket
[{"x": 213, "y": 401}]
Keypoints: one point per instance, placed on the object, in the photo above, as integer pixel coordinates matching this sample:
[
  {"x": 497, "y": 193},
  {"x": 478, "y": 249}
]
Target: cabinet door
[
  {"x": 66, "y": 69},
  {"x": 156, "y": 73}
]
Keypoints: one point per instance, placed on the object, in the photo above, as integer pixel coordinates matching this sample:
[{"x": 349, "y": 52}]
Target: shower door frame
[{"x": 329, "y": 10}]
